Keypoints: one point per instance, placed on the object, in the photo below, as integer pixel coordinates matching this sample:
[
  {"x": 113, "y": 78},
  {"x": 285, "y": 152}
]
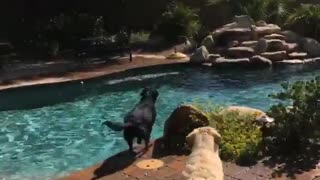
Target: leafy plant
[
  {"x": 273, "y": 11},
  {"x": 139, "y": 37},
  {"x": 201, "y": 34},
  {"x": 298, "y": 125},
  {"x": 178, "y": 20},
  {"x": 306, "y": 20},
  {"x": 240, "y": 136}
]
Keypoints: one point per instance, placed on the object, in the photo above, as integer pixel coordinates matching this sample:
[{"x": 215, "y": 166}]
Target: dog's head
[
  {"x": 209, "y": 130},
  {"x": 149, "y": 92}
]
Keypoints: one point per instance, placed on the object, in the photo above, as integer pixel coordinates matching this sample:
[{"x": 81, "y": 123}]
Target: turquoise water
[{"x": 57, "y": 129}]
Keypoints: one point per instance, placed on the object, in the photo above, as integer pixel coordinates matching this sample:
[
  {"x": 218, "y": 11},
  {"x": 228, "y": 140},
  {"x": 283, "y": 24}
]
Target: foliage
[
  {"x": 268, "y": 10},
  {"x": 178, "y": 20},
  {"x": 201, "y": 34},
  {"x": 307, "y": 17},
  {"x": 298, "y": 125},
  {"x": 139, "y": 37},
  {"x": 122, "y": 38},
  {"x": 273, "y": 11},
  {"x": 240, "y": 136}
]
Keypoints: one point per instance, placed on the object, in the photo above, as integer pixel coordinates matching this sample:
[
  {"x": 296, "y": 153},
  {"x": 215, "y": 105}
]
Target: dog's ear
[{"x": 191, "y": 137}]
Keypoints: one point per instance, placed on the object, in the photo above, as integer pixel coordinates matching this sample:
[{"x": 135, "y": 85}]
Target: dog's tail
[{"x": 116, "y": 126}]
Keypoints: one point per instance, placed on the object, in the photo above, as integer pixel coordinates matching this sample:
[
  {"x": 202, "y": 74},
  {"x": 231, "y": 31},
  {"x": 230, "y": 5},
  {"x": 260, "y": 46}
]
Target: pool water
[{"x": 57, "y": 129}]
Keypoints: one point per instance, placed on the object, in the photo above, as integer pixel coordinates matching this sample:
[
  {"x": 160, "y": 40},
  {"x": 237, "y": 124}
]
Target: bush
[
  {"x": 297, "y": 126},
  {"x": 273, "y": 11},
  {"x": 178, "y": 20},
  {"x": 139, "y": 37},
  {"x": 305, "y": 20},
  {"x": 240, "y": 136},
  {"x": 201, "y": 34},
  {"x": 122, "y": 38}
]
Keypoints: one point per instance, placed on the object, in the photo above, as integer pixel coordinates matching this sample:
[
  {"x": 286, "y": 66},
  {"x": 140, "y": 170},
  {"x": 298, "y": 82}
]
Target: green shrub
[
  {"x": 272, "y": 11},
  {"x": 297, "y": 126},
  {"x": 240, "y": 136},
  {"x": 178, "y": 20},
  {"x": 139, "y": 37},
  {"x": 122, "y": 38},
  {"x": 201, "y": 34},
  {"x": 305, "y": 20}
]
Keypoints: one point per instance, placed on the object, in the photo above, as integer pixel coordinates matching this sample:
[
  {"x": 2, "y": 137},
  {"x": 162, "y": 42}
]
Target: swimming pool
[{"x": 52, "y": 130}]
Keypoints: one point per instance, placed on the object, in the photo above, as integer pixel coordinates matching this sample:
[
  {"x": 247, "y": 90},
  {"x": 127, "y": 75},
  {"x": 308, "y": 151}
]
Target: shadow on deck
[{"x": 123, "y": 166}]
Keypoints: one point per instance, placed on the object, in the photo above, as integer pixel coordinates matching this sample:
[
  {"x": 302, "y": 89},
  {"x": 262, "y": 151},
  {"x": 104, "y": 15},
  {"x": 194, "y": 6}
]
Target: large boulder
[
  {"x": 275, "y": 56},
  {"x": 251, "y": 44},
  {"x": 291, "y": 37},
  {"x": 240, "y": 52},
  {"x": 208, "y": 42},
  {"x": 291, "y": 47},
  {"x": 311, "y": 46},
  {"x": 260, "y": 116},
  {"x": 213, "y": 57},
  {"x": 223, "y": 36},
  {"x": 232, "y": 31},
  {"x": 260, "y": 61},
  {"x": 223, "y": 62},
  {"x": 261, "y": 23},
  {"x": 254, "y": 33},
  {"x": 261, "y": 46},
  {"x": 181, "y": 122},
  {"x": 243, "y": 21},
  {"x": 232, "y": 44},
  {"x": 276, "y": 45},
  {"x": 274, "y": 36},
  {"x": 200, "y": 55},
  {"x": 268, "y": 29}
]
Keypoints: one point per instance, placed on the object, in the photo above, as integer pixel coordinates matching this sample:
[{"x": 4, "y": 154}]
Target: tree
[{"x": 178, "y": 20}]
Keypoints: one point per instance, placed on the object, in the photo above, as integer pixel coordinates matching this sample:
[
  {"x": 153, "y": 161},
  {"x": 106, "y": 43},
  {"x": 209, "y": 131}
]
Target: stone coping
[{"x": 110, "y": 67}]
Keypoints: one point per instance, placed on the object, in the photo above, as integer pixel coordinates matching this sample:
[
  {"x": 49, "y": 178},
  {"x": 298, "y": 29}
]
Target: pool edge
[{"x": 93, "y": 73}]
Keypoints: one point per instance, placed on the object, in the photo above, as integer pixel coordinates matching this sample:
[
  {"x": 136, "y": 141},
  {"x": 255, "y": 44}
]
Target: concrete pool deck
[
  {"x": 93, "y": 71},
  {"x": 123, "y": 166}
]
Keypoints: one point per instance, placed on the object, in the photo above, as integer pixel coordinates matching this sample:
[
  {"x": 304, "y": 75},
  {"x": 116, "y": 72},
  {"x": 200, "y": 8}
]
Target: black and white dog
[{"x": 139, "y": 121}]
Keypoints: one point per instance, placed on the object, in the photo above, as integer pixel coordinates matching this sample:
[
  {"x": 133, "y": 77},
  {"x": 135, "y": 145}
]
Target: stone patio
[{"x": 123, "y": 166}]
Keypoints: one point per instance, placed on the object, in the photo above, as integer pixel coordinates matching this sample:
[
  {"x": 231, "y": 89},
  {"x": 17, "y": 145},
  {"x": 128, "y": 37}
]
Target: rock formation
[
  {"x": 244, "y": 42},
  {"x": 200, "y": 56},
  {"x": 181, "y": 122}
]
